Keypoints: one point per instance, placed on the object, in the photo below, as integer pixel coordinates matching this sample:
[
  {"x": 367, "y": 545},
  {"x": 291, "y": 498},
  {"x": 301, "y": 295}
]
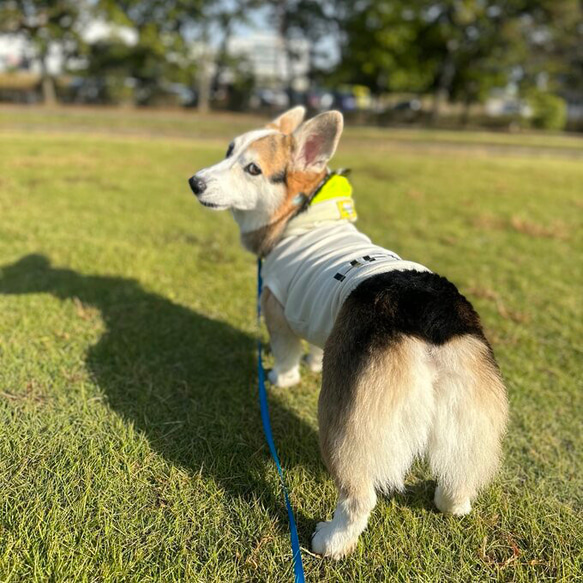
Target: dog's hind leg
[
  {"x": 314, "y": 358},
  {"x": 375, "y": 412},
  {"x": 470, "y": 419},
  {"x": 285, "y": 345}
]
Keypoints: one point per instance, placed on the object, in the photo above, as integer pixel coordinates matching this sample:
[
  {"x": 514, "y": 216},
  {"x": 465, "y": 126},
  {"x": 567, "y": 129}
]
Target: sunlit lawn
[{"x": 130, "y": 440}]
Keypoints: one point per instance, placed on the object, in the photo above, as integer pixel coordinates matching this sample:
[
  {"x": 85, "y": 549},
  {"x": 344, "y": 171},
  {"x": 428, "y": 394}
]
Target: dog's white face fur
[
  {"x": 231, "y": 185},
  {"x": 265, "y": 169}
]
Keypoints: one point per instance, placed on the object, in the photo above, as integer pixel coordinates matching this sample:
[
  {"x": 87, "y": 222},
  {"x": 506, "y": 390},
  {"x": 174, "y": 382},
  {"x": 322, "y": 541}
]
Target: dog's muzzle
[{"x": 197, "y": 184}]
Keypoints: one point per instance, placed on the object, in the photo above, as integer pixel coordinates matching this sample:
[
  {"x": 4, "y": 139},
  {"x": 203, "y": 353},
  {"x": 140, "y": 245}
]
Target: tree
[
  {"x": 378, "y": 48},
  {"x": 44, "y": 24},
  {"x": 226, "y": 17},
  {"x": 470, "y": 47},
  {"x": 310, "y": 20},
  {"x": 484, "y": 43},
  {"x": 552, "y": 35},
  {"x": 313, "y": 21},
  {"x": 456, "y": 49},
  {"x": 162, "y": 51}
]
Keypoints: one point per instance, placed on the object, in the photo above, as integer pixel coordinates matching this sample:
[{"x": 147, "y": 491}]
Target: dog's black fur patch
[
  {"x": 420, "y": 304},
  {"x": 279, "y": 177}
]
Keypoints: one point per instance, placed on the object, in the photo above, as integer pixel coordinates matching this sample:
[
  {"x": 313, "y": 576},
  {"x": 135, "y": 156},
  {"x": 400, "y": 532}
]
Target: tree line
[{"x": 452, "y": 49}]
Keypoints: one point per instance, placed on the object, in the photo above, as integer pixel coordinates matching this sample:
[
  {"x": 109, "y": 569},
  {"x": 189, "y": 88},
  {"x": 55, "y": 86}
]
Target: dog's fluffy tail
[{"x": 446, "y": 401}]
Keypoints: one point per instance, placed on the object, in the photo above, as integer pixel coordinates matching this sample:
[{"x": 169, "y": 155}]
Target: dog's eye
[
  {"x": 253, "y": 169},
  {"x": 230, "y": 149}
]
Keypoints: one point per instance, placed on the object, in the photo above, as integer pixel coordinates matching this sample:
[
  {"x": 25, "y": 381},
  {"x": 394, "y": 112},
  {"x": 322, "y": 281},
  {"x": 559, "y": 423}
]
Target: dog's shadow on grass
[{"x": 184, "y": 380}]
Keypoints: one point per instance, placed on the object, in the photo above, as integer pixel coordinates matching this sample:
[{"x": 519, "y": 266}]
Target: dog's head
[{"x": 265, "y": 172}]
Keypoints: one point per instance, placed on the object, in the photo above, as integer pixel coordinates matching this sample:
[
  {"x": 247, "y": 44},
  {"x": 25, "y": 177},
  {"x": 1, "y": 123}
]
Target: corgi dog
[{"x": 406, "y": 368}]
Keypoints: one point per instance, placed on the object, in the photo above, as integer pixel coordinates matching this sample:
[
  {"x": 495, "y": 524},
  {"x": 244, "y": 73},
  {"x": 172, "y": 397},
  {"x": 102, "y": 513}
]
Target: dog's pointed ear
[
  {"x": 316, "y": 141},
  {"x": 288, "y": 122}
]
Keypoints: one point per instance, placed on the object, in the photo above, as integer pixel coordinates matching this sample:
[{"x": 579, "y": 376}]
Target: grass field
[{"x": 130, "y": 440}]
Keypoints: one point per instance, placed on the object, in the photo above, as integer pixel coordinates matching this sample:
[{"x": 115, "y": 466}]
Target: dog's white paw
[
  {"x": 446, "y": 504},
  {"x": 284, "y": 379},
  {"x": 313, "y": 362},
  {"x": 330, "y": 541}
]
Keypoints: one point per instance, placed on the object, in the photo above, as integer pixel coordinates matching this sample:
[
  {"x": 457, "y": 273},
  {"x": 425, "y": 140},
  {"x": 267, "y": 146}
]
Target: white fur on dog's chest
[{"x": 312, "y": 274}]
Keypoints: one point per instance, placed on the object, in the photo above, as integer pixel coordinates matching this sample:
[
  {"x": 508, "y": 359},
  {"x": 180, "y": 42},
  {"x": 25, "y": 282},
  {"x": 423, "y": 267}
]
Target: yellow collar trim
[
  {"x": 337, "y": 186},
  {"x": 332, "y": 202},
  {"x": 337, "y": 189}
]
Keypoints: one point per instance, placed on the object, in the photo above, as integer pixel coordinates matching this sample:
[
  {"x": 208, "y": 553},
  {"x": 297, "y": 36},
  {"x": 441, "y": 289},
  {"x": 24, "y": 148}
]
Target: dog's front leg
[{"x": 285, "y": 345}]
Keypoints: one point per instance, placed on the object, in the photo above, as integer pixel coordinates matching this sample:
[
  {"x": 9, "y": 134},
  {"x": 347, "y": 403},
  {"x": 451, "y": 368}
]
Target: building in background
[{"x": 273, "y": 64}]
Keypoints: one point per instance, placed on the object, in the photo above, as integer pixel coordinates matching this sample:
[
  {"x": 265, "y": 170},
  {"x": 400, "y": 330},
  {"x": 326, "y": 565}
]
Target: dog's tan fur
[
  {"x": 273, "y": 153},
  {"x": 289, "y": 121}
]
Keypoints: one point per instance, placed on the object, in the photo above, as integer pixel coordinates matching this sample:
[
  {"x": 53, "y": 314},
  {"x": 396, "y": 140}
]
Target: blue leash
[{"x": 295, "y": 543}]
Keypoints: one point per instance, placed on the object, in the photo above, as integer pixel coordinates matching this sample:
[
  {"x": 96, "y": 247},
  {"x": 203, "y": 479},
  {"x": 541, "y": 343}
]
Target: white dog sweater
[{"x": 318, "y": 263}]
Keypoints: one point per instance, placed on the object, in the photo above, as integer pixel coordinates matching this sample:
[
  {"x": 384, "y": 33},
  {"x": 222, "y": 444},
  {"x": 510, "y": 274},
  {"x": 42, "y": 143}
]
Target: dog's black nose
[{"x": 197, "y": 184}]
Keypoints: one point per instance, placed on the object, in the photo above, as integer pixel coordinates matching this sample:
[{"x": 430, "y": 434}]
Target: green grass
[{"x": 130, "y": 439}]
